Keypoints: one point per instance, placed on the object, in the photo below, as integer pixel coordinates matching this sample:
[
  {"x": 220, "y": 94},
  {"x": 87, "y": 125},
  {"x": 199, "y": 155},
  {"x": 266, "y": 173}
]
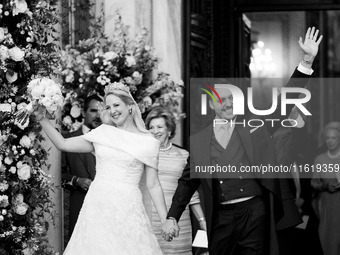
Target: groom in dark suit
[
  {"x": 240, "y": 212},
  {"x": 78, "y": 169}
]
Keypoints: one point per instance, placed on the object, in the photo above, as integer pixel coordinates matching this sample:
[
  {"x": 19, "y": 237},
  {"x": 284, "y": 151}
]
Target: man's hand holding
[{"x": 170, "y": 229}]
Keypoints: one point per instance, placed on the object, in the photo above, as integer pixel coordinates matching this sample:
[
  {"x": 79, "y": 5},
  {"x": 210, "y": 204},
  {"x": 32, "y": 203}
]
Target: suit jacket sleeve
[
  {"x": 65, "y": 173},
  {"x": 185, "y": 189},
  {"x": 297, "y": 79}
]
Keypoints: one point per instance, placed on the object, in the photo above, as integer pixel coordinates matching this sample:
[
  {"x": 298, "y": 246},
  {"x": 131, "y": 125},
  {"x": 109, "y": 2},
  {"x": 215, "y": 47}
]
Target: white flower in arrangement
[
  {"x": 147, "y": 101},
  {"x": 8, "y": 161},
  {"x": 43, "y": 91},
  {"x": 130, "y": 60},
  {"x": 5, "y": 108},
  {"x": 67, "y": 120},
  {"x": 39, "y": 228},
  {"x": 16, "y": 54},
  {"x": 28, "y": 251},
  {"x": 110, "y": 55},
  {"x": 11, "y": 77},
  {"x": 95, "y": 61},
  {"x": 24, "y": 172},
  {"x": 21, "y": 106},
  {"x": 3, "y": 52},
  {"x": 36, "y": 89},
  {"x": 21, "y": 208},
  {"x": 20, "y": 6},
  {"x": 137, "y": 77},
  {"x": 32, "y": 136},
  {"x": 21, "y": 229},
  {"x": 75, "y": 110},
  {"x": 3, "y": 186},
  {"x": 25, "y": 141},
  {"x": 128, "y": 80},
  {"x": 70, "y": 77},
  {"x": 13, "y": 170},
  {"x": 1, "y": 218},
  {"x": 4, "y": 201},
  {"x": 47, "y": 102},
  {"x": 2, "y": 34}
]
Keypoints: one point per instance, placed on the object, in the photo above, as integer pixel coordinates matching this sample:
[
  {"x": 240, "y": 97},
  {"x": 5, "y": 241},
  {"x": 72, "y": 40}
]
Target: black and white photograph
[{"x": 175, "y": 127}]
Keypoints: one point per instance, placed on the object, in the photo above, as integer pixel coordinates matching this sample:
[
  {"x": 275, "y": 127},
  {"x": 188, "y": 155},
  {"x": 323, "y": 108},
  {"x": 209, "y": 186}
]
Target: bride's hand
[{"x": 39, "y": 112}]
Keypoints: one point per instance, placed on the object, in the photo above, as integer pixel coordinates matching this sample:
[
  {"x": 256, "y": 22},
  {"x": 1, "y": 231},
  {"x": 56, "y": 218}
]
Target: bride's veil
[{"x": 138, "y": 120}]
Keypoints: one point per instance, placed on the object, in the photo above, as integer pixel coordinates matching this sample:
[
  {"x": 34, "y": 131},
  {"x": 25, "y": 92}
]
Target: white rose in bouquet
[
  {"x": 3, "y": 186},
  {"x": 4, "y": 201},
  {"x": 5, "y": 108},
  {"x": 25, "y": 141},
  {"x": 12, "y": 170},
  {"x": 37, "y": 91},
  {"x": 3, "y": 52},
  {"x": 21, "y": 209},
  {"x": 2, "y": 34},
  {"x": 16, "y": 54},
  {"x": 44, "y": 92},
  {"x": 47, "y": 102},
  {"x": 75, "y": 110},
  {"x": 110, "y": 55},
  {"x": 20, "y": 6},
  {"x": 130, "y": 61},
  {"x": 137, "y": 77},
  {"x": 24, "y": 172},
  {"x": 11, "y": 77}
]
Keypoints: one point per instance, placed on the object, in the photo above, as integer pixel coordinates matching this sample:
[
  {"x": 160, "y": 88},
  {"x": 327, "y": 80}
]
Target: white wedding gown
[{"x": 113, "y": 219}]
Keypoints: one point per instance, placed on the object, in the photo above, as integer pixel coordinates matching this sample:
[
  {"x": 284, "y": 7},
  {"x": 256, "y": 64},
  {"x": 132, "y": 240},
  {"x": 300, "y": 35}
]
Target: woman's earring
[
  {"x": 130, "y": 110},
  {"x": 169, "y": 134}
]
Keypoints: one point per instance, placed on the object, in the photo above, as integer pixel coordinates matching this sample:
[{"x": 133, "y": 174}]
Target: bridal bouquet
[{"x": 41, "y": 92}]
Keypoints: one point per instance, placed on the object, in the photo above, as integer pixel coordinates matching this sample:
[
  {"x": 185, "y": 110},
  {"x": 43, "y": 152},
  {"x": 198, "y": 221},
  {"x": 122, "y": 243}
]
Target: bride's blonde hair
[{"x": 122, "y": 91}]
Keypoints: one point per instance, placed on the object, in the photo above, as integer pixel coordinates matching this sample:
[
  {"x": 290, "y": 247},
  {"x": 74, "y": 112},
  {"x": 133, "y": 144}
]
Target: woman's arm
[
  {"x": 198, "y": 212},
  {"x": 73, "y": 144},
  {"x": 156, "y": 192}
]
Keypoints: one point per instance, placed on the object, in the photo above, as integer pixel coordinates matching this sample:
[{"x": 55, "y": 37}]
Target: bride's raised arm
[{"x": 73, "y": 144}]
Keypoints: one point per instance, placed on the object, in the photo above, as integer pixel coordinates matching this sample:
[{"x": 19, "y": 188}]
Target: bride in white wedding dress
[{"x": 113, "y": 219}]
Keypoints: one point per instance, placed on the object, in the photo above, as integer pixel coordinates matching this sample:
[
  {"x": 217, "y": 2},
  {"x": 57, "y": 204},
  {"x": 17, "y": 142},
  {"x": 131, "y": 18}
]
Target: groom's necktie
[{"x": 223, "y": 134}]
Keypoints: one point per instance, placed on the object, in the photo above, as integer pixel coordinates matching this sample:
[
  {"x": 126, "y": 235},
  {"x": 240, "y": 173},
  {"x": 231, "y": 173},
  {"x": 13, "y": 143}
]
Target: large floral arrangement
[
  {"x": 89, "y": 66},
  {"x": 27, "y": 51}
]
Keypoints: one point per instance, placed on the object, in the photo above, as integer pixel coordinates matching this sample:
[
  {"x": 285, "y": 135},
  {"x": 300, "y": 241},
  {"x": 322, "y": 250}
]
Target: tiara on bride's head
[{"x": 116, "y": 86}]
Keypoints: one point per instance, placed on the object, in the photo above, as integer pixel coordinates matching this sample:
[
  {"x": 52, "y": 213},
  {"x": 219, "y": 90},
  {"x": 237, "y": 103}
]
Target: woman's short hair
[
  {"x": 161, "y": 112},
  {"x": 334, "y": 125}
]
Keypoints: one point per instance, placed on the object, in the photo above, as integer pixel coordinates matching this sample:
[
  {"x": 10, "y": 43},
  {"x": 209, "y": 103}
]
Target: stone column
[
  {"x": 55, "y": 233},
  {"x": 167, "y": 38},
  {"x": 135, "y": 13}
]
